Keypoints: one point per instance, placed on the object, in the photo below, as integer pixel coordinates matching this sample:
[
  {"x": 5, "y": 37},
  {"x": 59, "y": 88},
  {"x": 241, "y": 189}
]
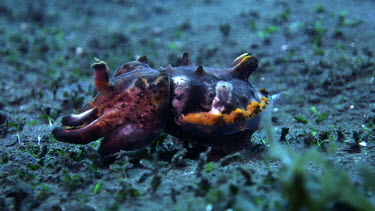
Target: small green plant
[
  {"x": 321, "y": 115},
  {"x": 319, "y": 8},
  {"x": 127, "y": 191},
  {"x": 285, "y": 14},
  {"x": 318, "y": 31},
  {"x": 161, "y": 139},
  {"x": 301, "y": 119},
  {"x": 135, "y": 193},
  {"x": 76, "y": 72},
  {"x": 46, "y": 118},
  {"x": 34, "y": 167},
  {"x": 253, "y": 25},
  {"x": 307, "y": 189},
  {"x": 268, "y": 31},
  {"x": 72, "y": 182},
  {"x": 97, "y": 187},
  {"x": 45, "y": 187},
  {"x": 343, "y": 20},
  {"x": 19, "y": 127},
  {"x": 210, "y": 166},
  {"x": 32, "y": 123},
  {"x": 172, "y": 46},
  {"x": 44, "y": 192}
]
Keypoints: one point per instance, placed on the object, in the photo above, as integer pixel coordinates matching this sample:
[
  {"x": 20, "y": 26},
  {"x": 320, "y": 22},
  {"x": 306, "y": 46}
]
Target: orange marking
[{"x": 209, "y": 119}]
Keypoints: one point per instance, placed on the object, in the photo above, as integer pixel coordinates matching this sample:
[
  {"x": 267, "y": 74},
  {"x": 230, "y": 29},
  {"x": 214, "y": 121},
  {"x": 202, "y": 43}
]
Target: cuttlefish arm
[{"x": 128, "y": 117}]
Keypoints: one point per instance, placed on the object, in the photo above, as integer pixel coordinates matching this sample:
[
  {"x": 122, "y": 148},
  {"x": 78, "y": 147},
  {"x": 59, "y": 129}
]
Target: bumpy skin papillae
[
  {"x": 129, "y": 111},
  {"x": 215, "y": 106},
  {"x": 210, "y": 106}
]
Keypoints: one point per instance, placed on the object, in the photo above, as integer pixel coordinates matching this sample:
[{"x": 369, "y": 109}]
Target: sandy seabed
[{"x": 315, "y": 58}]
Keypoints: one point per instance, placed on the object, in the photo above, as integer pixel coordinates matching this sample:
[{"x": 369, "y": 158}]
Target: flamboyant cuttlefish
[{"x": 215, "y": 107}]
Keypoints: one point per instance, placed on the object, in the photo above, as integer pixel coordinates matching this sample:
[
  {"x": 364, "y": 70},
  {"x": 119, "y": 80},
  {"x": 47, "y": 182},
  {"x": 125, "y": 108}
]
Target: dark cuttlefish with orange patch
[{"x": 215, "y": 107}]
